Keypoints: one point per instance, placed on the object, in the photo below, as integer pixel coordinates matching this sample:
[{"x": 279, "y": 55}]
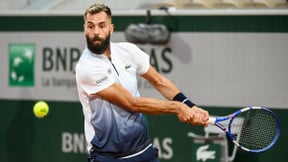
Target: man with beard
[{"x": 106, "y": 77}]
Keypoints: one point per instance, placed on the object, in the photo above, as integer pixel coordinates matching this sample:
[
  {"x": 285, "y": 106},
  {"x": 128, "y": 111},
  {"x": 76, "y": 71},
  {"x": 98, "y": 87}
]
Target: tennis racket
[{"x": 253, "y": 129}]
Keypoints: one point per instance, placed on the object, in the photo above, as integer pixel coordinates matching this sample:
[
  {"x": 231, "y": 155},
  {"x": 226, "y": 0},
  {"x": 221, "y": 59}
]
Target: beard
[{"x": 98, "y": 48}]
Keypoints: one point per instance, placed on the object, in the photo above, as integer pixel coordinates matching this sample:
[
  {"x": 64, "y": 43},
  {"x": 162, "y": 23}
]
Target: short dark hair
[{"x": 96, "y": 8}]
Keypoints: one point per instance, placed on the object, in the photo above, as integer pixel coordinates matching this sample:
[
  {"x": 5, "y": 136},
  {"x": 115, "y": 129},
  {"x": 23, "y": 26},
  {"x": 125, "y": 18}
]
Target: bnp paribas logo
[{"x": 21, "y": 64}]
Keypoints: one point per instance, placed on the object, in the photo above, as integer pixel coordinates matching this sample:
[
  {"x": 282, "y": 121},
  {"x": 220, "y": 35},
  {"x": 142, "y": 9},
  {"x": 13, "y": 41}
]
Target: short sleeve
[
  {"x": 142, "y": 60},
  {"x": 93, "y": 79}
]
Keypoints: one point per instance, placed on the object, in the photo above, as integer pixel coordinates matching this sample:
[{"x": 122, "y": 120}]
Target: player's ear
[{"x": 111, "y": 28}]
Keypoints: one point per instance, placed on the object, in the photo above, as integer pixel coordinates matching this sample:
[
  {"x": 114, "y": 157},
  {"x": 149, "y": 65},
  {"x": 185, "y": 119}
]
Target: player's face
[{"x": 98, "y": 28}]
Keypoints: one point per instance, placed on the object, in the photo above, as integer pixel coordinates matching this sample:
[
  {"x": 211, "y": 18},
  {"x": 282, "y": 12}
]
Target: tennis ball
[{"x": 40, "y": 109}]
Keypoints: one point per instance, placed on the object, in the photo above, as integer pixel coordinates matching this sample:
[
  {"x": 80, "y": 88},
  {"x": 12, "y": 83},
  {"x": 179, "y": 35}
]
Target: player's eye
[
  {"x": 102, "y": 25},
  {"x": 90, "y": 27}
]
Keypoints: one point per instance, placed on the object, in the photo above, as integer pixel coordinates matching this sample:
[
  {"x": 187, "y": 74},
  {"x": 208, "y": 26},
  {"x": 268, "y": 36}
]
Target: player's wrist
[{"x": 182, "y": 98}]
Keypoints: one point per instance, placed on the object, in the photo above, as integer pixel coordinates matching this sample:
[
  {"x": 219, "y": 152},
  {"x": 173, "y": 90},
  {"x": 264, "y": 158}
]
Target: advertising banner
[{"x": 215, "y": 69}]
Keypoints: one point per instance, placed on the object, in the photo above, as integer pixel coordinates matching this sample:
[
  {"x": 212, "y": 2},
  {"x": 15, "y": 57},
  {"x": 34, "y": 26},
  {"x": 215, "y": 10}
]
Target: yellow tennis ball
[{"x": 40, "y": 109}]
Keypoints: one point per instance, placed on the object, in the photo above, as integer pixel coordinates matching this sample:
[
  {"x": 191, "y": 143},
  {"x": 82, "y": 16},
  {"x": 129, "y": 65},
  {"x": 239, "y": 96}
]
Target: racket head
[{"x": 254, "y": 129}]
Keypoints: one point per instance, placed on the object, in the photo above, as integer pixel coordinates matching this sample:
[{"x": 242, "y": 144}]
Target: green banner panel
[{"x": 194, "y": 23}]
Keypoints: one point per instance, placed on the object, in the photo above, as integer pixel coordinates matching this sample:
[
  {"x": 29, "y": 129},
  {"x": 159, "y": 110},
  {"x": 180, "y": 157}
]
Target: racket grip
[{"x": 212, "y": 120}]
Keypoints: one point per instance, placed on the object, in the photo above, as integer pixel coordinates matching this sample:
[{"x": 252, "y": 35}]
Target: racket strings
[{"x": 258, "y": 129}]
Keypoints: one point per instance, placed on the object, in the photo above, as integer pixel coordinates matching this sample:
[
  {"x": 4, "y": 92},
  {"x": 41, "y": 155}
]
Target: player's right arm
[{"x": 118, "y": 95}]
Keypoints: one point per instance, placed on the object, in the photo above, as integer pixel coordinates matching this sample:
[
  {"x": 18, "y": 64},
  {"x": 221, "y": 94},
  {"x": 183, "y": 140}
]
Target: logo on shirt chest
[{"x": 127, "y": 66}]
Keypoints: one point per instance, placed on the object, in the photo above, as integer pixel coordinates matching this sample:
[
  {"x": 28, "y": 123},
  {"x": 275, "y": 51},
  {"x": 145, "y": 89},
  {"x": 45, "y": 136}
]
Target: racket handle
[{"x": 212, "y": 120}]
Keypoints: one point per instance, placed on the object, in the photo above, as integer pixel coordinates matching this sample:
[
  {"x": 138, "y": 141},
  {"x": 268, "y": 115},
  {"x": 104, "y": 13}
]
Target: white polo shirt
[{"x": 108, "y": 127}]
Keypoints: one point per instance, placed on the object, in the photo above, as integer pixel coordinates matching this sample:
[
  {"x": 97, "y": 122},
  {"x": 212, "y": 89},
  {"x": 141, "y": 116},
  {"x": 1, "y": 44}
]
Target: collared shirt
[{"x": 108, "y": 127}]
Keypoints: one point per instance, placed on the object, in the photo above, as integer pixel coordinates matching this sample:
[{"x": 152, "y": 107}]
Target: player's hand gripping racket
[{"x": 258, "y": 128}]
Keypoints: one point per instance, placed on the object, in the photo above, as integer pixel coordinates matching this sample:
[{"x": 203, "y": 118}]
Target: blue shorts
[{"x": 149, "y": 155}]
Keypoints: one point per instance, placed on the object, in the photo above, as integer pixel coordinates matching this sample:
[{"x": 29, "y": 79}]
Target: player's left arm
[
  {"x": 171, "y": 92},
  {"x": 162, "y": 84},
  {"x": 166, "y": 87}
]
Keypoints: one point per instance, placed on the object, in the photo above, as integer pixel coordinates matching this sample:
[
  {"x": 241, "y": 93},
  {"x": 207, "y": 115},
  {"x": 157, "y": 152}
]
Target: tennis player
[{"x": 107, "y": 85}]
